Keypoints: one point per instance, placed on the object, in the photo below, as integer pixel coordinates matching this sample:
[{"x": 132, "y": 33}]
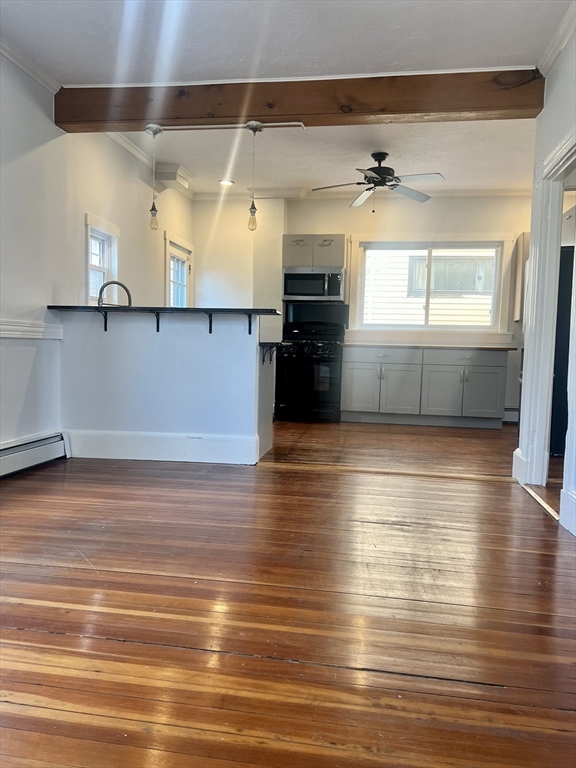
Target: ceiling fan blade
[
  {"x": 412, "y": 193},
  {"x": 368, "y": 173},
  {"x": 422, "y": 177},
  {"x": 333, "y": 186},
  {"x": 362, "y": 197}
]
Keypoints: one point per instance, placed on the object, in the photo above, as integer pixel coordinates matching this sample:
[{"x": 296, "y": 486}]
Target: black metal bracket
[
  {"x": 269, "y": 348},
  {"x": 105, "y": 316},
  {"x": 209, "y": 314},
  {"x": 157, "y": 321},
  {"x": 249, "y": 323}
]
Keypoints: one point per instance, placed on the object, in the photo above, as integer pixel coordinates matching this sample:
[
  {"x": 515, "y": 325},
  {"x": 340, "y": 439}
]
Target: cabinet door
[
  {"x": 484, "y": 391},
  {"x": 297, "y": 250},
  {"x": 360, "y": 387},
  {"x": 329, "y": 250},
  {"x": 442, "y": 387},
  {"x": 400, "y": 388}
]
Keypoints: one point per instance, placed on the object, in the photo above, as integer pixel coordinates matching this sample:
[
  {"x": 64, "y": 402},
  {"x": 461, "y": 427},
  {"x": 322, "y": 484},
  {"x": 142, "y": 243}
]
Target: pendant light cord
[
  {"x": 253, "y": 161},
  {"x": 153, "y": 168}
]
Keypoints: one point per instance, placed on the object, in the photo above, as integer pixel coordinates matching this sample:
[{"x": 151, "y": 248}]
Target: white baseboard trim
[
  {"x": 160, "y": 446},
  {"x": 519, "y": 467},
  {"x": 568, "y": 511},
  {"x": 26, "y": 329}
]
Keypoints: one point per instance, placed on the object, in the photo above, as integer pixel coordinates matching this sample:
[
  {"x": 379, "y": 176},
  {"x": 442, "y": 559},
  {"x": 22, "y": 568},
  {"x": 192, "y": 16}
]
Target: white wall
[
  {"x": 49, "y": 181},
  {"x": 234, "y": 266}
]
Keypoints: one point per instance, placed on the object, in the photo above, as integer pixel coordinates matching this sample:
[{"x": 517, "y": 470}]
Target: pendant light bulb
[
  {"x": 252, "y": 223},
  {"x": 153, "y": 218}
]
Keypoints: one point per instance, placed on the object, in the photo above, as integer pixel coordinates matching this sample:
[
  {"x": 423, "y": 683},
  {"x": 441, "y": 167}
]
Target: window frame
[
  {"x": 184, "y": 249},
  {"x": 494, "y": 327},
  {"x": 109, "y": 234}
]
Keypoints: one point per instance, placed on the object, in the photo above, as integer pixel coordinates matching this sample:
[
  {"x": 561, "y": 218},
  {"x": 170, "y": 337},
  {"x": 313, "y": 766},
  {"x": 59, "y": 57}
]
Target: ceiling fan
[{"x": 380, "y": 176}]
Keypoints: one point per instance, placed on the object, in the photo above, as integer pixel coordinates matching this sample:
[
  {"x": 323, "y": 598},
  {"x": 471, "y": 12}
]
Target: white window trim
[
  {"x": 185, "y": 247},
  {"x": 498, "y": 333},
  {"x": 113, "y": 232}
]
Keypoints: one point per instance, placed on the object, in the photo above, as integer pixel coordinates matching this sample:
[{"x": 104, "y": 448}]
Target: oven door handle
[{"x": 326, "y": 277}]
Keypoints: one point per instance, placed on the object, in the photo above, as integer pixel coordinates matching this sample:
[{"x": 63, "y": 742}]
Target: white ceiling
[
  {"x": 144, "y": 41},
  {"x": 473, "y": 156}
]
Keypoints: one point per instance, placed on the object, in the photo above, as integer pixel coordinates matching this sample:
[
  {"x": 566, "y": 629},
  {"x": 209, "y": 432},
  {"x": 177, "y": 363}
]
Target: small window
[
  {"x": 179, "y": 272},
  {"x": 101, "y": 259},
  {"x": 408, "y": 287},
  {"x": 178, "y": 281}
]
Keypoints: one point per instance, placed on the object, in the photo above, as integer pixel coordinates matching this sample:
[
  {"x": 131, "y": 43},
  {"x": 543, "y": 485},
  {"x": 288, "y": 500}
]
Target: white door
[
  {"x": 442, "y": 387},
  {"x": 360, "y": 387},
  {"x": 484, "y": 391},
  {"x": 400, "y": 388}
]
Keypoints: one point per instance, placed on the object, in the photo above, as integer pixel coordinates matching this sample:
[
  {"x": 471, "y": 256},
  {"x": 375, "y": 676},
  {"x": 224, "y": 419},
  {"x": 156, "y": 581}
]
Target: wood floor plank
[{"x": 288, "y": 614}]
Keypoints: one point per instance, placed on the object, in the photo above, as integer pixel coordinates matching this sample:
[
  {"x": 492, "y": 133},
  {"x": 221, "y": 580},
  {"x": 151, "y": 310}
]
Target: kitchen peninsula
[{"x": 165, "y": 384}]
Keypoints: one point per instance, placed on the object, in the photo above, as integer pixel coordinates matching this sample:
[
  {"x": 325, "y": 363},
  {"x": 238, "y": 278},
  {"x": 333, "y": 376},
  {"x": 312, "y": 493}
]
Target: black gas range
[{"x": 309, "y": 372}]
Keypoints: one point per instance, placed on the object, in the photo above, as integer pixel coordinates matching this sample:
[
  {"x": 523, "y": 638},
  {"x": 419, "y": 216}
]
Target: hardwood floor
[
  {"x": 164, "y": 615},
  {"x": 436, "y": 451}
]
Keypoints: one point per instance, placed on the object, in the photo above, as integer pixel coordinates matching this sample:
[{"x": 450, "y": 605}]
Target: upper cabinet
[{"x": 313, "y": 250}]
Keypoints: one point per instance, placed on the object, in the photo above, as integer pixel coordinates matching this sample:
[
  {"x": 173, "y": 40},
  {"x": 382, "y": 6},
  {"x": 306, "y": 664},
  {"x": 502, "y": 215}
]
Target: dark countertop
[
  {"x": 190, "y": 310},
  {"x": 494, "y": 347}
]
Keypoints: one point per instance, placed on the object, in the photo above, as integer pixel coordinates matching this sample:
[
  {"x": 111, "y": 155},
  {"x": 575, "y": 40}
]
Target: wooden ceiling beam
[{"x": 354, "y": 101}]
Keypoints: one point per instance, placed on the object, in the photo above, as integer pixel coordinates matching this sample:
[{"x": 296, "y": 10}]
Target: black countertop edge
[{"x": 190, "y": 310}]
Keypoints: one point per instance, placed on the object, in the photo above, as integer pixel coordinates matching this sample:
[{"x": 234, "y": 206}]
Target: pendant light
[
  {"x": 154, "y": 130},
  {"x": 254, "y": 127}
]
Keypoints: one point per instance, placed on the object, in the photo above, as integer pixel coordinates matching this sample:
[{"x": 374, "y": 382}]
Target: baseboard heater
[
  {"x": 16, "y": 457},
  {"x": 511, "y": 415}
]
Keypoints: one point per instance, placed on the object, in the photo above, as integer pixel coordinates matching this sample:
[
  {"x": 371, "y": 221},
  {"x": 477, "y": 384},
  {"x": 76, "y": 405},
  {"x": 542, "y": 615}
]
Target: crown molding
[
  {"x": 341, "y": 195},
  {"x": 29, "y": 67},
  {"x": 356, "y": 75},
  {"x": 558, "y": 42},
  {"x": 119, "y": 138},
  {"x": 260, "y": 193}
]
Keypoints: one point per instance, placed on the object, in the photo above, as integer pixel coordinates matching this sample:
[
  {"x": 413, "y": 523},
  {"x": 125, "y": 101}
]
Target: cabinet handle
[
  {"x": 461, "y": 375},
  {"x": 379, "y": 372},
  {"x": 381, "y": 355},
  {"x": 325, "y": 242},
  {"x": 298, "y": 242},
  {"x": 467, "y": 374},
  {"x": 465, "y": 358}
]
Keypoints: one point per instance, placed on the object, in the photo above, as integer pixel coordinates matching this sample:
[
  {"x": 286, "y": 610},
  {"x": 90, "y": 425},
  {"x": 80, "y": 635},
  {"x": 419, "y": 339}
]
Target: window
[
  {"x": 178, "y": 256},
  {"x": 101, "y": 240},
  {"x": 410, "y": 287}
]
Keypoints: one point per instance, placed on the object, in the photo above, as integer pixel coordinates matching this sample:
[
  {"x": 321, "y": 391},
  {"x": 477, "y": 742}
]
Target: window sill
[{"x": 423, "y": 338}]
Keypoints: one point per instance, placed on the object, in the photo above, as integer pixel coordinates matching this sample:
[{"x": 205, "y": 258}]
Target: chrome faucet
[{"x": 113, "y": 282}]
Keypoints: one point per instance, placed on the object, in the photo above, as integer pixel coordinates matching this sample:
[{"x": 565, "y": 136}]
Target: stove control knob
[{"x": 308, "y": 349}]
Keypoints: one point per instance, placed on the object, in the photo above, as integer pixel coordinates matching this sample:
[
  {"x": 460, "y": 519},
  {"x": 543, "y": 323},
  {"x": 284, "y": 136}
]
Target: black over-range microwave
[{"x": 313, "y": 284}]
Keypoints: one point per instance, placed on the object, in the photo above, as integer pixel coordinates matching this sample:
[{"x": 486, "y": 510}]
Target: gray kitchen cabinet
[
  {"x": 400, "y": 388},
  {"x": 313, "y": 250},
  {"x": 468, "y": 390},
  {"x": 381, "y": 387},
  {"x": 484, "y": 391},
  {"x": 360, "y": 386},
  {"x": 442, "y": 387},
  {"x": 297, "y": 250},
  {"x": 424, "y": 385}
]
